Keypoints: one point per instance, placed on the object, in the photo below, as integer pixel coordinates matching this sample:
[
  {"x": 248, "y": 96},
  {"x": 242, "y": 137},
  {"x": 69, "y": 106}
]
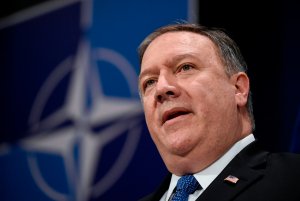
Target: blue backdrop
[{"x": 72, "y": 126}]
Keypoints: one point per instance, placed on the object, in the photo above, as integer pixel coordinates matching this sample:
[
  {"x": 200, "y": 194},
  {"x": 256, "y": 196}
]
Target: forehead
[
  {"x": 168, "y": 47},
  {"x": 171, "y": 44}
]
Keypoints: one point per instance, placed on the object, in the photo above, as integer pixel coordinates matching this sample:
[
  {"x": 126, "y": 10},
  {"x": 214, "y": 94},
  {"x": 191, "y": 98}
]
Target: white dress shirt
[{"x": 206, "y": 176}]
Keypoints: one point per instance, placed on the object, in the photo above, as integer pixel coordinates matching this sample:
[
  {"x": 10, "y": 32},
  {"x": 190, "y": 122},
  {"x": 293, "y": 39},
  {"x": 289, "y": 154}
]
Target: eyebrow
[
  {"x": 170, "y": 62},
  {"x": 145, "y": 72},
  {"x": 176, "y": 59}
]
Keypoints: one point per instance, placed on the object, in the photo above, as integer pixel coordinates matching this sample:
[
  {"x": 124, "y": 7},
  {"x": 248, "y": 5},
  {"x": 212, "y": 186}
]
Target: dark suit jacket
[{"x": 263, "y": 176}]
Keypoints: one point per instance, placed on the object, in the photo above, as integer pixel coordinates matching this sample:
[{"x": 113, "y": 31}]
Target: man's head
[{"x": 195, "y": 94}]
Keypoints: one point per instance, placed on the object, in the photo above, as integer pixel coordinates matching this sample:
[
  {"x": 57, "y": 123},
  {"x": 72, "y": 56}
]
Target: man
[{"x": 196, "y": 98}]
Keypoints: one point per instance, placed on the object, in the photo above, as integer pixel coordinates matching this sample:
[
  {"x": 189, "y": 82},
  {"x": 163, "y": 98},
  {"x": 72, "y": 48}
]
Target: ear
[{"x": 242, "y": 87}]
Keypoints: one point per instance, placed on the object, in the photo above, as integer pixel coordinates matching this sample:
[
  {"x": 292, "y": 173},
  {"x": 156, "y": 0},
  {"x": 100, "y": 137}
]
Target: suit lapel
[{"x": 248, "y": 166}]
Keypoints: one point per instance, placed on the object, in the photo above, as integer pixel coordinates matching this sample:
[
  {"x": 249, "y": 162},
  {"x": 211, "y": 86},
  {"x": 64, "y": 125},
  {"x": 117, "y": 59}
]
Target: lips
[{"x": 173, "y": 113}]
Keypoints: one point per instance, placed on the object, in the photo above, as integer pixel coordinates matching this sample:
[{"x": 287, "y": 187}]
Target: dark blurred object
[
  {"x": 8, "y": 7},
  {"x": 266, "y": 33}
]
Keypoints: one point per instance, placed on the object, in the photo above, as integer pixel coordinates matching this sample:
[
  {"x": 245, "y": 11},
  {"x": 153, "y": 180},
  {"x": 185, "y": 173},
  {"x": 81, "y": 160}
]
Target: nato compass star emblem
[{"x": 86, "y": 123}]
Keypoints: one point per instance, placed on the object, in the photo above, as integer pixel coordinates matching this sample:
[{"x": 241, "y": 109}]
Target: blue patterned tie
[{"x": 186, "y": 185}]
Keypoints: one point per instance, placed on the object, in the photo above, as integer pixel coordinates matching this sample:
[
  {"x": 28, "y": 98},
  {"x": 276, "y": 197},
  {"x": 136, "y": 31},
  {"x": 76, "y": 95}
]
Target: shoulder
[
  {"x": 286, "y": 155},
  {"x": 284, "y": 160},
  {"x": 255, "y": 152},
  {"x": 272, "y": 163}
]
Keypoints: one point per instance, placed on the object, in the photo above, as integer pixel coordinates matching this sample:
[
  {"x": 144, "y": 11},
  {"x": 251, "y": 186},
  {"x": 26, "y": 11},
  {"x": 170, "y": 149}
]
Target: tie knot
[{"x": 187, "y": 184}]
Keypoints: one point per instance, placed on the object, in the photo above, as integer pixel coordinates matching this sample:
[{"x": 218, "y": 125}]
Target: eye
[
  {"x": 186, "y": 67},
  {"x": 148, "y": 83}
]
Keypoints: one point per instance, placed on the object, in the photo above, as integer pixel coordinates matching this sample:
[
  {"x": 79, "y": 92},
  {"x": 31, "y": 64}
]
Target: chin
[{"x": 180, "y": 147}]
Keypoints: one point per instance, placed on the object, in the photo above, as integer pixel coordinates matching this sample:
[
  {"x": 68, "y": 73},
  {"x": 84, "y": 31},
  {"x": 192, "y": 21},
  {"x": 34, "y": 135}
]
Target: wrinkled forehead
[{"x": 170, "y": 45}]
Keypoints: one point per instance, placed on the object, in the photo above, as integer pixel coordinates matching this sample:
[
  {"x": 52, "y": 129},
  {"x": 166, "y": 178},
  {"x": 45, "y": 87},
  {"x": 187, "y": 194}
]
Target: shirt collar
[{"x": 206, "y": 176}]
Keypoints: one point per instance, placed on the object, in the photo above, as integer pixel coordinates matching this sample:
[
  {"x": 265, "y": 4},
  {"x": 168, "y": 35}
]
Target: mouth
[{"x": 174, "y": 113}]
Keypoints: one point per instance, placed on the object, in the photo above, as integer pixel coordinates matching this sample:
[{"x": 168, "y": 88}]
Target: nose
[{"x": 166, "y": 88}]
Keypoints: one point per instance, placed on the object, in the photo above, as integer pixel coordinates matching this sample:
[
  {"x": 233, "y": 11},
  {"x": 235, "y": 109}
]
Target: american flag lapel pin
[{"x": 231, "y": 179}]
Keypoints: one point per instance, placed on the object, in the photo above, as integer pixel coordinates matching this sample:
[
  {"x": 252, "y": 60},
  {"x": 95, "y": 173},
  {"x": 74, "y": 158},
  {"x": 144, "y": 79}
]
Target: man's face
[{"x": 189, "y": 101}]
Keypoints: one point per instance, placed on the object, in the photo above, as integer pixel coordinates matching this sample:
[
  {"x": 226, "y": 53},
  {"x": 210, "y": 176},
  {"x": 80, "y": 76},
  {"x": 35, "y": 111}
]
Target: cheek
[
  {"x": 149, "y": 118},
  {"x": 214, "y": 92},
  {"x": 148, "y": 108},
  {"x": 212, "y": 102},
  {"x": 150, "y": 115}
]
